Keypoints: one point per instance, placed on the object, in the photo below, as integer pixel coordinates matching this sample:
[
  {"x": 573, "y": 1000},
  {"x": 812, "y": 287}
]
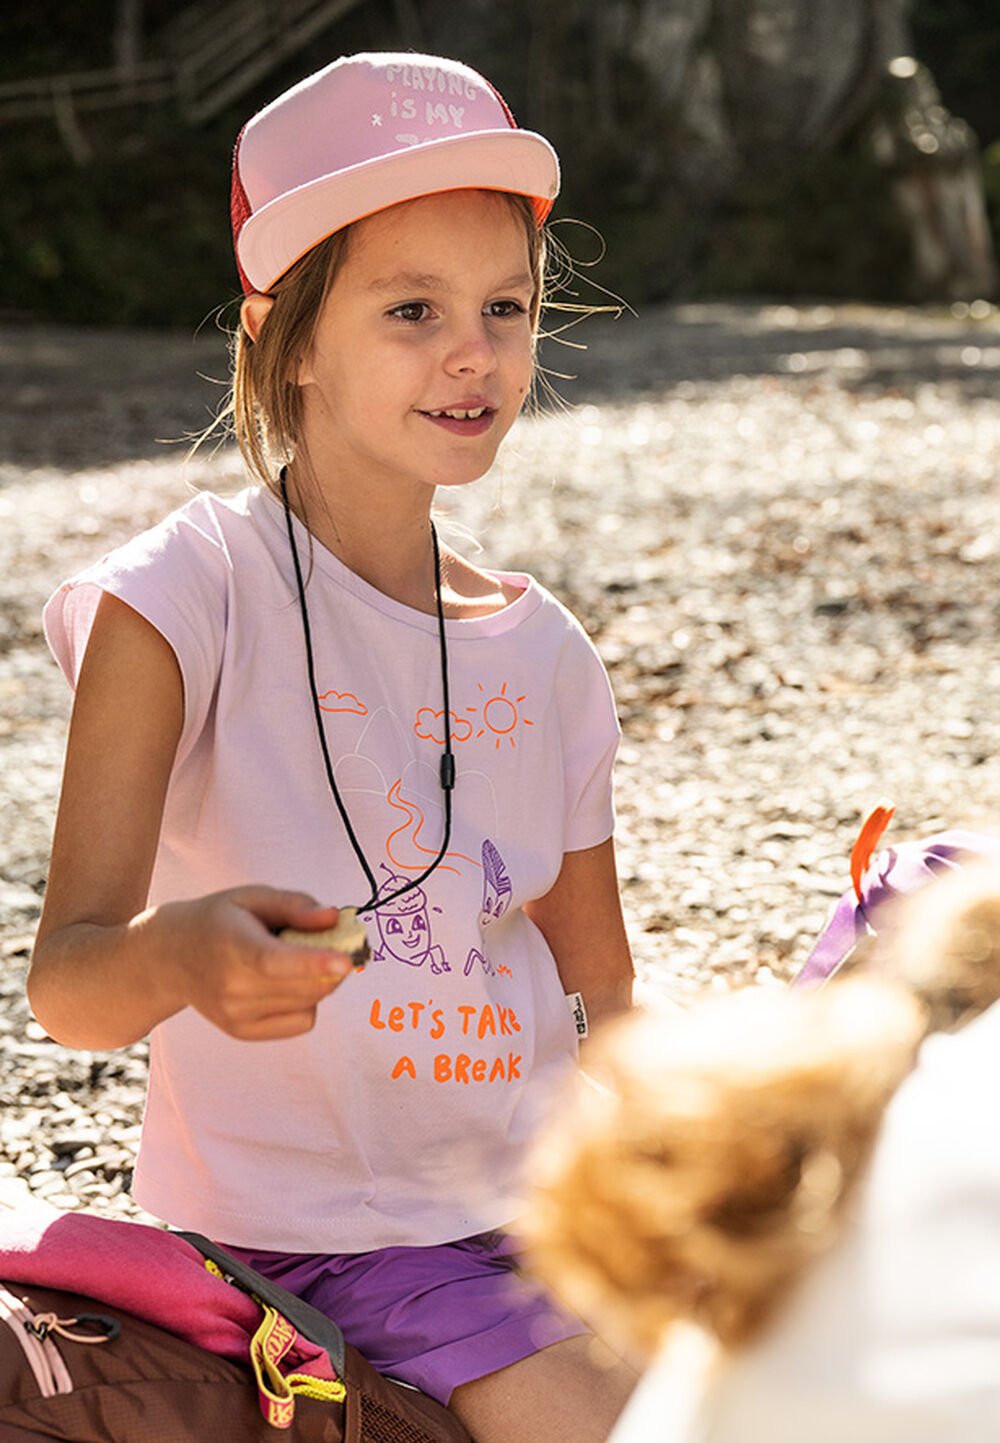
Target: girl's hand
[{"x": 229, "y": 964}]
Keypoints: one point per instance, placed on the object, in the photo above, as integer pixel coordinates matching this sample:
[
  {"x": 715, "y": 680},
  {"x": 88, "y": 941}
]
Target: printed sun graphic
[{"x": 500, "y": 716}]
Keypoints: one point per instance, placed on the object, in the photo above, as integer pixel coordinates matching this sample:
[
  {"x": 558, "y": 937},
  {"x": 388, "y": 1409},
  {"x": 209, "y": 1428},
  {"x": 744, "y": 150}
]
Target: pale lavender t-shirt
[{"x": 401, "y": 1118}]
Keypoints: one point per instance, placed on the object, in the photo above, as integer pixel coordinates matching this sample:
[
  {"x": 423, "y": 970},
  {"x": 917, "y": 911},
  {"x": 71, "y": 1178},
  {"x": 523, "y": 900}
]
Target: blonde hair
[
  {"x": 710, "y": 1157},
  {"x": 946, "y": 946},
  {"x": 264, "y": 406}
]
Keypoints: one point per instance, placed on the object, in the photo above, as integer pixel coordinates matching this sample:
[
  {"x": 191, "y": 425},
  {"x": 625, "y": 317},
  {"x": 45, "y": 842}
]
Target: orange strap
[{"x": 873, "y": 829}]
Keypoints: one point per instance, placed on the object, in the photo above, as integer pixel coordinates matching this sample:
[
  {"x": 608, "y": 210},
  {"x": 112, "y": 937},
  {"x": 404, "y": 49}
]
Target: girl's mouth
[{"x": 463, "y": 421}]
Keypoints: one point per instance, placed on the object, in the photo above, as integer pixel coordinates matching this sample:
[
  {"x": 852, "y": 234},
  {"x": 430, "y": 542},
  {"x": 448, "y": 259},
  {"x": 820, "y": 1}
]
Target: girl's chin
[
  {"x": 452, "y": 481},
  {"x": 460, "y": 470}
]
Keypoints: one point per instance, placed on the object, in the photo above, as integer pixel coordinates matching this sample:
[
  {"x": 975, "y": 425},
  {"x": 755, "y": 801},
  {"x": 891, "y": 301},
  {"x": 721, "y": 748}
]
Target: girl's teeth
[{"x": 462, "y": 415}]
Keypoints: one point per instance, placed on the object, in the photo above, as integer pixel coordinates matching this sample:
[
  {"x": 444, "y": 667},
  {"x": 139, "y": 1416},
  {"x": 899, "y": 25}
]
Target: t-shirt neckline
[{"x": 263, "y": 505}]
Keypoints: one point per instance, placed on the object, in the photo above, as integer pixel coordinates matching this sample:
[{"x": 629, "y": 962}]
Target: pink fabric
[
  {"x": 402, "y": 1117},
  {"x": 365, "y": 133},
  {"x": 148, "y": 1273}
]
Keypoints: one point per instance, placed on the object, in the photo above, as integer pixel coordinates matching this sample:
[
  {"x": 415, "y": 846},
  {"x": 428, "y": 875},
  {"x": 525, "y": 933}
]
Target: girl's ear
[
  {"x": 303, "y": 374},
  {"x": 254, "y": 312}
]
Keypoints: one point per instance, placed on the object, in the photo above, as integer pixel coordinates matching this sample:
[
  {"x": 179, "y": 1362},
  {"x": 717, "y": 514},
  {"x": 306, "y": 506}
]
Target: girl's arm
[
  {"x": 106, "y": 968},
  {"x": 581, "y": 920}
]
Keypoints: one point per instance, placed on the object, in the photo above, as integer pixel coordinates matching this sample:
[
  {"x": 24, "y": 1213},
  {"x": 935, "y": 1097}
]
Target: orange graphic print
[
  {"x": 497, "y": 718},
  {"x": 493, "y": 1025},
  {"x": 342, "y": 701},
  {"x": 429, "y": 729},
  {"x": 500, "y": 717},
  {"x": 408, "y": 837}
]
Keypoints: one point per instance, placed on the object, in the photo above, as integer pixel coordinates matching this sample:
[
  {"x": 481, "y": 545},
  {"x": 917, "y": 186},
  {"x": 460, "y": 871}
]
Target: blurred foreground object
[
  {"x": 723, "y": 1152},
  {"x": 720, "y": 1148},
  {"x": 947, "y": 948}
]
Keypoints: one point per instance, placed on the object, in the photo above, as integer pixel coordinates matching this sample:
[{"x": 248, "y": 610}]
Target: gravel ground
[{"x": 779, "y": 524}]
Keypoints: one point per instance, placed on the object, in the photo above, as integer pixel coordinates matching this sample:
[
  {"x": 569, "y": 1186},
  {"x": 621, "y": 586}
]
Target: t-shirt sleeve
[
  {"x": 591, "y": 734},
  {"x": 175, "y": 576}
]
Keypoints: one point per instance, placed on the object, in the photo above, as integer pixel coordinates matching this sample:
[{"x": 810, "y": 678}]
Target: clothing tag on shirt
[{"x": 575, "y": 1001}]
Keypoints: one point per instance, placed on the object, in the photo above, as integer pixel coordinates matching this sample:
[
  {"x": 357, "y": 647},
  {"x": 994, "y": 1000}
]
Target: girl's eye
[
  {"x": 505, "y": 310},
  {"x": 411, "y": 311}
]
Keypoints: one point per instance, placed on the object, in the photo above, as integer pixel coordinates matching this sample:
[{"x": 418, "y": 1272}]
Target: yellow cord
[{"x": 274, "y": 1337}]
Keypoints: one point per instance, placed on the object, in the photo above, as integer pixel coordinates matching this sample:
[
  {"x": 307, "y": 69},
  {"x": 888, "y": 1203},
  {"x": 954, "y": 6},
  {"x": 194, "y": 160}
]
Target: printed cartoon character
[
  {"x": 497, "y": 893},
  {"x": 497, "y": 889},
  {"x": 405, "y": 930}
]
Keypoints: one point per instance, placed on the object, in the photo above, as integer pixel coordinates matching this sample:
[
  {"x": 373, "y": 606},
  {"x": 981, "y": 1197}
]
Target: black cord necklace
[{"x": 446, "y": 771}]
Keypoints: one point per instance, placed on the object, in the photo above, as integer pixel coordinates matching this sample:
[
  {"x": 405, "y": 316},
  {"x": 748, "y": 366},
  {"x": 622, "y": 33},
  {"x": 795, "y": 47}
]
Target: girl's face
[{"x": 422, "y": 354}]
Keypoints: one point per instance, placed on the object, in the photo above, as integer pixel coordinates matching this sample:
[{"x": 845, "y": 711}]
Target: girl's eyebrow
[
  {"x": 521, "y": 281},
  {"x": 409, "y": 281},
  {"x": 414, "y": 282}
]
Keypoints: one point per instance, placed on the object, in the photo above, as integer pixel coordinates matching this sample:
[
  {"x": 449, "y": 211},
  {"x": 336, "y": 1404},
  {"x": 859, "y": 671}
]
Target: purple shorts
[{"x": 435, "y": 1317}]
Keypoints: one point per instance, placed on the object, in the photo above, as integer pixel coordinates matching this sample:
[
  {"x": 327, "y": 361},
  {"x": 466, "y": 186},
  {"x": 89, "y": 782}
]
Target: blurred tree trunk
[
  {"x": 666, "y": 110},
  {"x": 936, "y": 182},
  {"x": 127, "y": 37},
  {"x": 755, "y": 85}
]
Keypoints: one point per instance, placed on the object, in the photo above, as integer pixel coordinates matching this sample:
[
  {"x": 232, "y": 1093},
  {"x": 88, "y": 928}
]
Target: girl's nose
[{"x": 471, "y": 350}]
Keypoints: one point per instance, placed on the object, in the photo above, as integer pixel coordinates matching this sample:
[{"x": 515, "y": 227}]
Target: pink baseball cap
[{"x": 367, "y": 132}]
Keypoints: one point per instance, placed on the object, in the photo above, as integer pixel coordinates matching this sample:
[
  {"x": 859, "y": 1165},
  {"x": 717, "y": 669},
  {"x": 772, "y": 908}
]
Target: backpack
[
  {"x": 78, "y": 1369},
  {"x": 879, "y": 879}
]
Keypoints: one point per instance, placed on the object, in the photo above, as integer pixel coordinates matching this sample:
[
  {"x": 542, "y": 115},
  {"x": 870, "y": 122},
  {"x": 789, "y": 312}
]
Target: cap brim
[{"x": 281, "y": 232}]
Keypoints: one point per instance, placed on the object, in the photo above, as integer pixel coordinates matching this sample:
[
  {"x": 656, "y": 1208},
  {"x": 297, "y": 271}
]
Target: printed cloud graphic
[
  {"x": 344, "y": 701},
  {"x": 428, "y": 729}
]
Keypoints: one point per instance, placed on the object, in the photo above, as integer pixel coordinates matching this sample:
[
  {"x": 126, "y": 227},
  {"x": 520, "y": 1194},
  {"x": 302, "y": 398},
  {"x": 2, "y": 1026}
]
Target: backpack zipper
[{"x": 45, "y": 1359}]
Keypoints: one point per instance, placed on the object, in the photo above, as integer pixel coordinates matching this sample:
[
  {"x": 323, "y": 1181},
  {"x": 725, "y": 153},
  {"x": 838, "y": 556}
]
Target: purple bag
[{"x": 881, "y": 879}]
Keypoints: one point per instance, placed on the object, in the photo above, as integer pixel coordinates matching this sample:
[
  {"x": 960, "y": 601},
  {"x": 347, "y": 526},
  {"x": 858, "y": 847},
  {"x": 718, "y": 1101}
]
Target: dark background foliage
[{"x": 137, "y": 233}]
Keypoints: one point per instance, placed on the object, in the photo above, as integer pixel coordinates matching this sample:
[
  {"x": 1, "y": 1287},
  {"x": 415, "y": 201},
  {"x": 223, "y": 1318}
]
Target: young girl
[{"x": 296, "y": 698}]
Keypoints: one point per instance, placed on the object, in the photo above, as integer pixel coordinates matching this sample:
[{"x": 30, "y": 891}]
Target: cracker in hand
[{"x": 349, "y": 937}]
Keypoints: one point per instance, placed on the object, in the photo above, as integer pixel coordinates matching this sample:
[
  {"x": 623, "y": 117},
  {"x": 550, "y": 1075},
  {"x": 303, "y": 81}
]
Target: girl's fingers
[
  {"x": 277, "y": 908},
  {"x": 261, "y": 913},
  {"x": 267, "y": 1012},
  {"x": 277, "y": 1026},
  {"x": 278, "y": 994},
  {"x": 266, "y": 1007},
  {"x": 252, "y": 984},
  {"x": 314, "y": 918},
  {"x": 307, "y": 965}
]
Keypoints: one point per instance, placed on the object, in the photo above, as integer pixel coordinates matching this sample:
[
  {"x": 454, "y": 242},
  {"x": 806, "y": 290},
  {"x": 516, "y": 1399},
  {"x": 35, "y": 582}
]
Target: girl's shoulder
[
  {"x": 177, "y": 574},
  {"x": 199, "y": 545},
  {"x": 548, "y": 639},
  {"x": 206, "y": 524}
]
